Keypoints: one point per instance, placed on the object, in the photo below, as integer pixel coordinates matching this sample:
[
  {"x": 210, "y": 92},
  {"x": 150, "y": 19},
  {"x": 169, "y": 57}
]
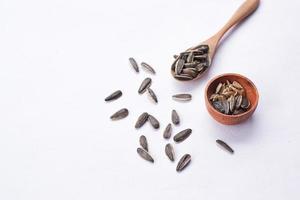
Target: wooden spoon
[{"x": 247, "y": 8}]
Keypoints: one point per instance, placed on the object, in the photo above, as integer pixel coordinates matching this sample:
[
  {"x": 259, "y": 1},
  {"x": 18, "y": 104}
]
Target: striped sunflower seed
[
  {"x": 152, "y": 95},
  {"x": 115, "y": 95},
  {"x": 153, "y": 121},
  {"x": 148, "y": 67},
  {"x": 144, "y": 85},
  {"x": 134, "y": 64},
  {"x": 141, "y": 120},
  {"x": 183, "y": 162},
  {"x": 143, "y": 142},
  {"x": 225, "y": 146},
  {"x": 168, "y": 131},
  {"x": 120, "y": 114},
  {"x": 182, "y": 97},
  {"x": 145, "y": 155},
  {"x": 179, "y": 66},
  {"x": 175, "y": 117},
  {"x": 169, "y": 150},
  {"x": 182, "y": 135}
]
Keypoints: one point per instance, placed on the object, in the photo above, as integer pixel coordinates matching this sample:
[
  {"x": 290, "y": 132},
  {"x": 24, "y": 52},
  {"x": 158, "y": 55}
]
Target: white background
[{"x": 59, "y": 59}]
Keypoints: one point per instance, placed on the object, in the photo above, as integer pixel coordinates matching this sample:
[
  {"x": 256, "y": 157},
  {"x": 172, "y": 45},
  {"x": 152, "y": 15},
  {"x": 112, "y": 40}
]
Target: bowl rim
[{"x": 252, "y": 108}]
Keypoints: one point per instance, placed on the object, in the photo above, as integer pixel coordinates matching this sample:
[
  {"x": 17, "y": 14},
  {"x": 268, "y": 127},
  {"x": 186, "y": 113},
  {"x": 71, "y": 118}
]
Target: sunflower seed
[
  {"x": 190, "y": 71},
  {"x": 175, "y": 117},
  {"x": 120, "y": 114},
  {"x": 238, "y": 101},
  {"x": 114, "y": 95},
  {"x": 237, "y": 85},
  {"x": 169, "y": 150},
  {"x": 148, "y": 67},
  {"x": 153, "y": 121},
  {"x": 168, "y": 131},
  {"x": 184, "y": 77},
  {"x": 134, "y": 64},
  {"x": 145, "y": 85},
  {"x": 204, "y": 48},
  {"x": 245, "y": 103},
  {"x": 183, "y": 162},
  {"x": 225, "y": 146},
  {"x": 152, "y": 95},
  {"x": 179, "y": 66},
  {"x": 226, "y": 107},
  {"x": 218, "y": 89},
  {"x": 143, "y": 142},
  {"x": 190, "y": 58},
  {"x": 182, "y": 97},
  {"x": 231, "y": 103},
  {"x": 145, "y": 155},
  {"x": 182, "y": 135},
  {"x": 141, "y": 120},
  {"x": 218, "y": 105}
]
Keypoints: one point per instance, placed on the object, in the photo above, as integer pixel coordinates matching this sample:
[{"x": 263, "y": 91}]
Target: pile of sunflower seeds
[
  {"x": 143, "y": 150},
  {"x": 230, "y": 98},
  {"x": 191, "y": 63}
]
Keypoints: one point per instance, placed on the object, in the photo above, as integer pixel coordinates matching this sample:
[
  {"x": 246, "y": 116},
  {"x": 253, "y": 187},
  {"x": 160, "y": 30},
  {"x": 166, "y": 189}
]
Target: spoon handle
[{"x": 248, "y": 7}]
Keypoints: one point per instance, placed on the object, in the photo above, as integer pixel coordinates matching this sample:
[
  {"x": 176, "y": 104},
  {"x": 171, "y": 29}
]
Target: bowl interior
[{"x": 250, "y": 89}]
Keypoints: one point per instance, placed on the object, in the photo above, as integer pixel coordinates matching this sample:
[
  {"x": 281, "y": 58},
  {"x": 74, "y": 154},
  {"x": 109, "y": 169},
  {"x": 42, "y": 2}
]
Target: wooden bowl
[{"x": 251, "y": 93}]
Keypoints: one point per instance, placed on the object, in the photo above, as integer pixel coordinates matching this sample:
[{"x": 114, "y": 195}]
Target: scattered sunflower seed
[
  {"x": 225, "y": 146},
  {"x": 175, "y": 117},
  {"x": 152, "y": 95},
  {"x": 115, "y": 95},
  {"x": 145, "y": 85},
  {"x": 143, "y": 142},
  {"x": 183, "y": 162},
  {"x": 169, "y": 150},
  {"x": 148, "y": 67},
  {"x": 153, "y": 121},
  {"x": 182, "y": 135},
  {"x": 134, "y": 64},
  {"x": 141, "y": 120},
  {"x": 168, "y": 131},
  {"x": 182, "y": 97},
  {"x": 145, "y": 155},
  {"x": 120, "y": 114}
]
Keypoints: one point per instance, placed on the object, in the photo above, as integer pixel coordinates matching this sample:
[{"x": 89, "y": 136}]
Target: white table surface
[{"x": 60, "y": 58}]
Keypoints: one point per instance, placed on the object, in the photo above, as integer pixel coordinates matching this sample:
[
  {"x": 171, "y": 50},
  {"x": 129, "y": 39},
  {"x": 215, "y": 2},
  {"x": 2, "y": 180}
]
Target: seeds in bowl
[
  {"x": 230, "y": 98},
  {"x": 191, "y": 63}
]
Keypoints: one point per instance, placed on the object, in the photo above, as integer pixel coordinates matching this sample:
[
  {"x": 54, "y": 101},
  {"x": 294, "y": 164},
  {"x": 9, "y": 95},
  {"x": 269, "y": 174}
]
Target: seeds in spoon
[
  {"x": 225, "y": 146},
  {"x": 141, "y": 120},
  {"x": 167, "y": 131},
  {"x": 152, "y": 95},
  {"x": 153, "y": 121},
  {"x": 191, "y": 63},
  {"x": 134, "y": 64},
  {"x": 145, "y": 155},
  {"x": 182, "y": 135},
  {"x": 182, "y": 97},
  {"x": 115, "y": 95},
  {"x": 169, "y": 150},
  {"x": 183, "y": 162},
  {"x": 145, "y": 85},
  {"x": 120, "y": 114},
  {"x": 143, "y": 142},
  {"x": 148, "y": 67}
]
